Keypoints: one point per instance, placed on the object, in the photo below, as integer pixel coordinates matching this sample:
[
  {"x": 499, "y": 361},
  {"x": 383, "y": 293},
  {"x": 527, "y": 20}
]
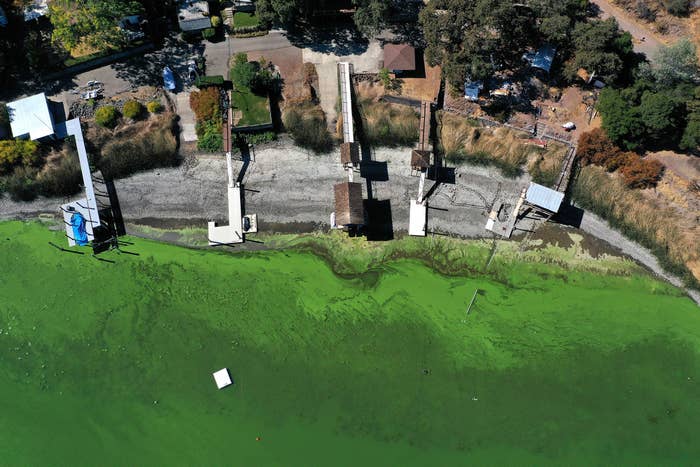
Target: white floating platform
[
  {"x": 418, "y": 219},
  {"x": 222, "y": 378}
]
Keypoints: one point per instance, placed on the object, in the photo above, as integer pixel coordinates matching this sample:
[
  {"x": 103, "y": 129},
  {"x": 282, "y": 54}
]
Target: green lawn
[
  {"x": 255, "y": 108},
  {"x": 242, "y": 19},
  {"x": 363, "y": 358}
]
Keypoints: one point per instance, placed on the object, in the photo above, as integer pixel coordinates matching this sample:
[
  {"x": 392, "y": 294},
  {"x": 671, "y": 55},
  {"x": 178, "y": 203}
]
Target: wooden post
[{"x": 472, "y": 302}]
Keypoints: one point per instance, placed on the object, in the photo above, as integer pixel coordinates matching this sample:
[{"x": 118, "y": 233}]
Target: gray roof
[{"x": 544, "y": 197}]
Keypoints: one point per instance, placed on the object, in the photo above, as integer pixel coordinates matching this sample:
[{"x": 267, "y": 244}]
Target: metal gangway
[{"x": 344, "y": 72}]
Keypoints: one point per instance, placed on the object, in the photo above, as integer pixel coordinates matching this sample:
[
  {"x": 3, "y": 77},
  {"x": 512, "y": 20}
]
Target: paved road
[{"x": 638, "y": 30}]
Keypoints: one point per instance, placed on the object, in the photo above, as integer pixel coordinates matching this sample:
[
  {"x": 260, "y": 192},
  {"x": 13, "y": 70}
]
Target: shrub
[
  {"x": 243, "y": 72},
  {"x": 641, "y": 173},
  {"x": 205, "y": 81},
  {"x": 154, "y": 107},
  {"x": 132, "y": 109},
  {"x": 308, "y": 128},
  {"x": 594, "y": 147},
  {"x": 209, "y": 33},
  {"x": 107, "y": 116},
  {"x": 258, "y": 138},
  {"x": 389, "y": 125},
  {"x": 215, "y": 21},
  {"x": 156, "y": 147},
  {"x": 678, "y": 7},
  {"x": 21, "y": 185},
  {"x": 206, "y": 104},
  {"x": 62, "y": 177},
  {"x": 209, "y": 137},
  {"x": 18, "y": 152},
  {"x": 4, "y": 117}
]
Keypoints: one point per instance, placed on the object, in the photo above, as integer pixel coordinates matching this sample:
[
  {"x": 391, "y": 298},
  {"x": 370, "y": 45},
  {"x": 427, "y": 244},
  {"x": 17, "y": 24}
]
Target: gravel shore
[{"x": 286, "y": 185}]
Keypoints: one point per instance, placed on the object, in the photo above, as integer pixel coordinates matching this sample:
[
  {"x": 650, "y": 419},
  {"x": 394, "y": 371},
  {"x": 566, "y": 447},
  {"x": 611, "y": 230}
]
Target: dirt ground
[
  {"x": 569, "y": 108},
  {"x": 289, "y": 63},
  {"x": 422, "y": 86}
]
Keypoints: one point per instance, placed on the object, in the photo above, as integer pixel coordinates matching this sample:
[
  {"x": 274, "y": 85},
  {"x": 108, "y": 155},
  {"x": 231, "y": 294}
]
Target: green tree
[
  {"x": 676, "y": 63},
  {"x": 243, "y": 72},
  {"x": 659, "y": 112},
  {"x": 279, "y": 11},
  {"x": 621, "y": 121},
  {"x": 600, "y": 47},
  {"x": 371, "y": 15},
  {"x": 90, "y": 22}
]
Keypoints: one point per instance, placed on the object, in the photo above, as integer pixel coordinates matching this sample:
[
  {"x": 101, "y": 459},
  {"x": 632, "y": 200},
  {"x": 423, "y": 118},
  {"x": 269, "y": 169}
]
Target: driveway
[
  {"x": 187, "y": 120},
  {"x": 638, "y": 30}
]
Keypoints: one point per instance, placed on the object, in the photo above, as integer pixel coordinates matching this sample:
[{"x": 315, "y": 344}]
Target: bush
[
  {"x": 484, "y": 159},
  {"x": 62, "y": 178},
  {"x": 258, "y": 138},
  {"x": 209, "y": 34},
  {"x": 21, "y": 185},
  {"x": 206, "y": 104},
  {"x": 18, "y": 152},
  {"x": 678, "y": 7},
  {"x": 215, "y": 21},
  {"x": 154, "y": 107},
  {"x": 205, "y": 81},
  {"x": 107, "y": 116},
  {"x": 209, "y": 137},
  {"x": 641, "y": 173},
  {"x": 243, "y": 72},
  {"x": 132, "y": 109},
  {"x": 156, "y": 147},
  {"x": 308, "y": 128},
  {"x": 594, "y": 147}
]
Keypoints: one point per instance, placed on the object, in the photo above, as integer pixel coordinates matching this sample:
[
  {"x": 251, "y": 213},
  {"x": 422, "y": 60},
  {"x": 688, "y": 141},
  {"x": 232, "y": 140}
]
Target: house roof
[
  {"x": 349, "y": 153},
  {"x": 544, "y": 57},
  {"x": 35, "y": 10},
  {"x": 399, "y": 57},
  {"x": 31, "y": 116},
  {"x": 420, "y": 159},
  {"x": 348, "y": 204},
  {"x": 544, "y": 197}
]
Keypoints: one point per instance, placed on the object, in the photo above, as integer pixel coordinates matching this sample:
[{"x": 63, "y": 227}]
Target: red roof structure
[{"x": 399, "y": 57}]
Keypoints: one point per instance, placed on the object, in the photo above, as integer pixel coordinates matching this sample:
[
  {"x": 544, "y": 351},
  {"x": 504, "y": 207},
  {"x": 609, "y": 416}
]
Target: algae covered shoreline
[{"x": 368, "y": 358}]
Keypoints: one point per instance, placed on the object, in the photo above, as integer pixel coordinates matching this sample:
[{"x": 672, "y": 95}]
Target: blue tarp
[
  {"x": 472, "y": 89},
  {"x": 168, "y": 79},
  {"x": 79, "y": 233},
  {"x": 544, "y": 57}
]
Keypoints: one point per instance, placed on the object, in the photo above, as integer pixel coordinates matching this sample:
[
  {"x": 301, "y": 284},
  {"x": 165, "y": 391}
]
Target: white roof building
[
  {"x": 544, "y": 197},
  {"x": 31, "y": 116}
]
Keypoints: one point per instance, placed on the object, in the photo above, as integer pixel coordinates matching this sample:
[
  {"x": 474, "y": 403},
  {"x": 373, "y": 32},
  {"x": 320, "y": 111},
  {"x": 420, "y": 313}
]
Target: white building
[{"x": 31, "y": 117}]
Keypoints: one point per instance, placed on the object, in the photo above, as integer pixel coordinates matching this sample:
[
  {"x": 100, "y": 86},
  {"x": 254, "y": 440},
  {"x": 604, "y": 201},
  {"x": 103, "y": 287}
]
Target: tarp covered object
[
  {"x": 168, "y": 79},
  {"x": 79, "y": 233}
]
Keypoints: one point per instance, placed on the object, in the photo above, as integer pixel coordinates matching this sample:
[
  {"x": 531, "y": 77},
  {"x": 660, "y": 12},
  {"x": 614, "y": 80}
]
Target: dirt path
[{"x": 638, "y": 30}]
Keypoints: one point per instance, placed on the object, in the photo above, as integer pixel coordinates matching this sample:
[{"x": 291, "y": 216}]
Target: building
[
  {"x": 399, "y": 58},
  {"x": 349, "y": 209},
  {"x": 31, "y": 117},
  {"x": 350, "y": 154},
  {"x": 193, "y": 15},
  {"x": 544, "y": 199}
]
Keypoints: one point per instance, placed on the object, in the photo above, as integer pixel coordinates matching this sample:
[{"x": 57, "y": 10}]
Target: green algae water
[{"x": 110, "y": 364}]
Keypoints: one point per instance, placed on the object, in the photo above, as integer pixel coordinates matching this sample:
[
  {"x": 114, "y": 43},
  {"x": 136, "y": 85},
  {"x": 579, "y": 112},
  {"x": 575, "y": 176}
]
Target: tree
[
  {"x": 659, "y": 112},
  {"x": 279, "y": 11},
  {"x": 690, "y": 141},
  {"x": 676, "y": 63},
  {"x": 600, "y": 47},
  {"x": 370, "y": 16},
  {"x": 621, "y": 121},
  {"x": 154, "y": 106},
  {"x": 594, "y": 147},
  {"x": 93, "y": 23}
]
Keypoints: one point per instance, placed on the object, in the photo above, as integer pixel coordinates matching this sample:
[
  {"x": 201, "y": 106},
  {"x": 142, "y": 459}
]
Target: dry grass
[
  {"x": 653, "y": 224},
  {"x": 462, "y": 139},
  {"x": 385, "y": 124}
]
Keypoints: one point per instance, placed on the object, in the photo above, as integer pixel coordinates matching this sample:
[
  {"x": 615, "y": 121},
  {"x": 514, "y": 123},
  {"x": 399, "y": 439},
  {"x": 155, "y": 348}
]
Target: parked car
[{"x": 168, "y": 79}]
